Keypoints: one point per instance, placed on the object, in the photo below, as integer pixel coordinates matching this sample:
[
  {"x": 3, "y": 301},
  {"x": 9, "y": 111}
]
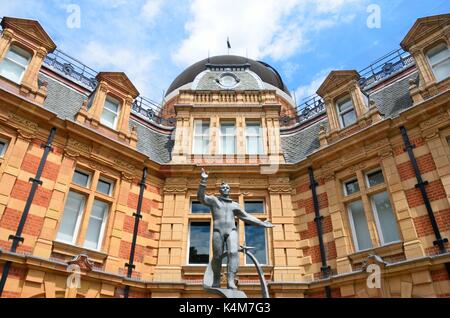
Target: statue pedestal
[{"x": 225, "y": 293}]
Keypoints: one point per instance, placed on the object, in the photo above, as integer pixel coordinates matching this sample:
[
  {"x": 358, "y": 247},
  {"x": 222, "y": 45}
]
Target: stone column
[
  {"x": 5, "y": 42},
  {"x": 30, "y": 79}
]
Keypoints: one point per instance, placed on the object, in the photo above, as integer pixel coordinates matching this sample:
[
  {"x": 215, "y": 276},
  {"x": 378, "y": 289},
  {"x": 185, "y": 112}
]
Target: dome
[{"x": 266, "y": 72}]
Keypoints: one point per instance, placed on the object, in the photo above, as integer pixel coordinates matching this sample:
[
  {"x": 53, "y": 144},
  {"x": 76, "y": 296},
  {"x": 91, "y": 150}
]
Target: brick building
[{"x": 98, "y": 180}]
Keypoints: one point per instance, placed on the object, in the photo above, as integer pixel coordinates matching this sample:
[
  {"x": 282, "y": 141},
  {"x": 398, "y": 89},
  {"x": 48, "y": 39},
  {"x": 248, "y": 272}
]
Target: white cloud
[
  {"x": 137, "y": 65},
  {"x": 276, "y": 29},
  {"x": 305, "y": 91},
  {"x": 151, "y": 9}
]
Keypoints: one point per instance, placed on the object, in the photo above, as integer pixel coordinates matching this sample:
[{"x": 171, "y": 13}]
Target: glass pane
[
  {"x": 438, "y": 54},
  {"x": 255, "y": 236},
  {"x": 228, "y": 145},
  {"x": 81, "y": 178},
  {"x": 348, "y": 118},
  {"x": 344, "y": 104},
  {"x": 351, "y": 187},
  {"x": 104, "y": 187},
  {"x": 360, "y": 223},
  {"x": 442, "y": 70},
  {"x": 254, "y": 207},
  {"x": 227, "y": 129},
  {"x": 19, "y": 56},
  {"x": 199, "y": 243},
  {"x": 11, "y": 71},
  {"x": 375, "y": 178},
  {"x": 112, "y": 105},
  {"x": 98, "y": 213},
  {"x": 386, "y": 218},
  {"x": 201, "y": 145},
  {"x": 108, "y": 118},
  {"x": 254, "y": 146},
  {"x": 253, "y": 129},
  {"x": 2, "y": 148},
  {"x": 201, "y": 128},
  {"x": 73, "y": 208},
  {"x": 197, "y": 207}
]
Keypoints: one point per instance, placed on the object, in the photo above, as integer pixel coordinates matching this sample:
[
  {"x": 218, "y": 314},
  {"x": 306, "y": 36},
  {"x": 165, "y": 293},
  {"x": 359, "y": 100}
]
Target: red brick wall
[
  {"x": 423, "y": 223},
  {"x": 435, "y": 191},
  {"x": 425, "y": 163}
]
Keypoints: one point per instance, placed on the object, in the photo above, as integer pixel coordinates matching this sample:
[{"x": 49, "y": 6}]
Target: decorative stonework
[{"x": 83, "y": 262}]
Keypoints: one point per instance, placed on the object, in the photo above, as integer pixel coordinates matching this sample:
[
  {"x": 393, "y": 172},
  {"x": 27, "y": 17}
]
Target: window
[
  {"x": 255, "y": 236},
  {"x": 439, "y": 58},
  {"x": 201, "y": 137},
  {"x": 71, "y": 218},
  {"x": 96, "y": 225},
  {"x": 197, "y": 207},
  {"x": 375, "y": 178},
  {"x": 199, "y": 242},
  {"x": 227, "y": 138},
  {"x": 346, "y": 111},
  {"x": 351, "y": 187},
  {"x": 84, "y": 203},
  {"x": 385, "y": 219},
  {"x": 3, "y": 146},
  {"x": 105, "y": 186},
  {"x": 14, "y": 64},
  {"x": 110, "y": 113},
  {"x": 256, "y": 207},
  {"x": 81, "y": 178},
  {"x": 359, "y": 225},
  {"x": 254, "y": 138}
]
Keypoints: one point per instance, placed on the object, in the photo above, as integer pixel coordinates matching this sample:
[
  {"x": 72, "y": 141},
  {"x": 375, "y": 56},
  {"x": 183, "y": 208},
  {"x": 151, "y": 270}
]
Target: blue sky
[{"x": 154, "y": 40}]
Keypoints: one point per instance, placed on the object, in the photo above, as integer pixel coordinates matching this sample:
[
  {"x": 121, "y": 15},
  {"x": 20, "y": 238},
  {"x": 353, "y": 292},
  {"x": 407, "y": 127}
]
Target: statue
[{"x": 224, "y": 211}]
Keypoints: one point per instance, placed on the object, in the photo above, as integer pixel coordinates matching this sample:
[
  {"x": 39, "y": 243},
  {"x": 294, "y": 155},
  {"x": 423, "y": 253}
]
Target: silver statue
[{"x": 224, "y": 211}]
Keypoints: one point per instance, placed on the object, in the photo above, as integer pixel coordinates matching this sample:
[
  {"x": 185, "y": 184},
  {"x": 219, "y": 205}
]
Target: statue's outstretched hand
[
  {"x": 204, "y": 174},
  {"x": 268, "y": 225}
]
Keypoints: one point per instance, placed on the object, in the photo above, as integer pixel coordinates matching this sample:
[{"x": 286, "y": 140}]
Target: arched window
[
  {"x": 439, "y": 58},
  {"x": 14, "y": 64}
]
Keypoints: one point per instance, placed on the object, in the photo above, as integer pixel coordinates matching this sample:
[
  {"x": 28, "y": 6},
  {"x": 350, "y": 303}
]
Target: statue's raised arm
[{"x": 201, "y": 194}]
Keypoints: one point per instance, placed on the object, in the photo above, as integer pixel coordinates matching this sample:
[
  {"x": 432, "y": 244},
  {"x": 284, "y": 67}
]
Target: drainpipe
[
  {"x": 421, "y": 185},
  {"x": 326, "y": 270},
  {"x": 138, "y": 217},
  {"x": 17, "y": 238}
]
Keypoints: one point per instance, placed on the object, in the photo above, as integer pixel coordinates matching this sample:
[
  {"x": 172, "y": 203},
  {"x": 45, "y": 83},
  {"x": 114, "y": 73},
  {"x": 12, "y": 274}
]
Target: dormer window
[
  {"x": 439, "y": 58},
  {"x": 15, "y": 64},
  {"x": 346, "y": 111},
  {"x": 110, "y": 115}
]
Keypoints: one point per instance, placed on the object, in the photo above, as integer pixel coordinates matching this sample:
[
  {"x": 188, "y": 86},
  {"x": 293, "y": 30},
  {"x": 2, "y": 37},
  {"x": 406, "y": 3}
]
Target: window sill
[
  {"x": 247, "y": 270},
  {"x": 71, "y": 250},
  {"x": 382, "y": 251}
]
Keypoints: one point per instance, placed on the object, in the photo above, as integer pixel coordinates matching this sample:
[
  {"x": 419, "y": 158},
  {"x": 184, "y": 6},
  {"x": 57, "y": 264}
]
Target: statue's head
[{"x": 224, "y": 189}]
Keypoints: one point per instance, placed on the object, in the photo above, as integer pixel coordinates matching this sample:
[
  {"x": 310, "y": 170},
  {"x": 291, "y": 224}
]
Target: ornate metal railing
[
  {"x": 152, "y": 111},
  {"x": 386, "y": 66}
]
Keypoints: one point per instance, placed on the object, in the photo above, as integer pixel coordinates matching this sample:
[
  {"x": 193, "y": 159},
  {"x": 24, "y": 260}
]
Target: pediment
[
  {"x": 336, "y": 79},
  {"x": 424, "y": 27},
  {"x": 30, "y": 29},
  {"x": 120, "y": 81}
]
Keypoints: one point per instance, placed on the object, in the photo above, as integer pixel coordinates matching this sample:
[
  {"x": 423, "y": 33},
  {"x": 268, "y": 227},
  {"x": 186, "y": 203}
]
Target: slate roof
[
  {"x": 66, "y": 102},
  {"x": 390, "y": 100},
  {"x": 247, "y": 81}
]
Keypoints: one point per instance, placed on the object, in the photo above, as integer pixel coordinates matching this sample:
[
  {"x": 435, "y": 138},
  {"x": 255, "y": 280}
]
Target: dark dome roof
[{"x": 266, "y": 72}]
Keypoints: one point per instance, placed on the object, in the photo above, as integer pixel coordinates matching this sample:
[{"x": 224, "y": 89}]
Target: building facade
[{"x": 98, "y": 185}]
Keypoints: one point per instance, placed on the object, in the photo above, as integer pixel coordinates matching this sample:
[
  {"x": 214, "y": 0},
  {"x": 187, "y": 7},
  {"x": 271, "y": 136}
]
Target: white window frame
[
  {"x": 103, "y": 227},
  {"x": 221, "y": 150},
  {"x": 257, "y": 200},
  {"x": 366, "y": 177},
  {"x": 111, "y": 188},
  {"x": 188, "y": 261},
  {"x": 345, "y": 188},
  {"x": 352, "y": 225},
  {"x": 119, "y": 108},
  {"x": 377, "y": 220},
  {"x": 19, "y": 51},
  {"x": 82, "y": 171},
  {"x": 439, "y": 62},
  {"x": 79, "y": 218},
  {"x": 3, "y": 151},
  {"x": 340, "y": 114},
  {"x": 202, "y": 136},
  {"x": 260, "y": 150}
]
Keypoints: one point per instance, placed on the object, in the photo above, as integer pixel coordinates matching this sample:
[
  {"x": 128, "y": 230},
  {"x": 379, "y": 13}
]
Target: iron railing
[{"x": 386, "y": 66}]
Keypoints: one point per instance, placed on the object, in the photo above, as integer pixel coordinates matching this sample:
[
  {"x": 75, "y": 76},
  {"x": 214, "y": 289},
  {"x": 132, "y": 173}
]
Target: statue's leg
[
  {"x": 216, "y": 262},
  {"x": 233, "y": 258}
]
